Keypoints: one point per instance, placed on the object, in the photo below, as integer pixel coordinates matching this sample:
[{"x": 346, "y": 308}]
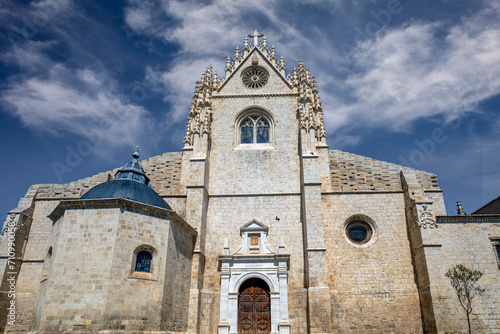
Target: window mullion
[{"x": 254, "y": 131}]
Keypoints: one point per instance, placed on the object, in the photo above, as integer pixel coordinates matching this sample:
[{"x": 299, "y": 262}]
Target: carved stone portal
[{"x": 253, "y": 262}]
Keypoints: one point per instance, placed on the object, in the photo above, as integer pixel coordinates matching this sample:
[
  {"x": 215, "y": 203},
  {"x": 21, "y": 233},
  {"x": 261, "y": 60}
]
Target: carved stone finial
[
  {"x": 272, "y": 55},
  {"x": 136, "y": 155},
  {"x": 237, "y": 55},
  {"x": 229, "y": 66},
  {"x": 263, "y": 46},
  {"x": 256, "y": 34},
  {"x": 246, "y": 47},
  {"x": 460, "y": 210}
]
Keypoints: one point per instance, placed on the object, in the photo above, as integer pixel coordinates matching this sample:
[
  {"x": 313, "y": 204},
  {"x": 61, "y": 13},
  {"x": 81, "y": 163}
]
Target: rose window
[{"x": 254, "y": 77}]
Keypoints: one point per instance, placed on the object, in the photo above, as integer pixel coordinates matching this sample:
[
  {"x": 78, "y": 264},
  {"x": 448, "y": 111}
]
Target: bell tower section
[{"x": 254, "y": 147}]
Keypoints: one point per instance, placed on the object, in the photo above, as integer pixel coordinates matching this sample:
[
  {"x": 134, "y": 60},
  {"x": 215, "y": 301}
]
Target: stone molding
[
  {"x": 236, "y": 269},
  {"x": 451, "y": 219},
  {"x": 120, "y": 203},
  {"x": 253, "y": 95}
]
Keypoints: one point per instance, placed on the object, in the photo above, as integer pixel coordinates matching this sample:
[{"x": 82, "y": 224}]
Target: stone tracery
[
  {"x": 199, "y": 117},
  {"x": 309, "y": 109}
]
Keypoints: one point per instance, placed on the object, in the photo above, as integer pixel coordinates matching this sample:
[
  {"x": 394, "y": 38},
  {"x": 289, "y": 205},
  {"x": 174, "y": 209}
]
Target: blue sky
[{"x": 410, "y": 82}]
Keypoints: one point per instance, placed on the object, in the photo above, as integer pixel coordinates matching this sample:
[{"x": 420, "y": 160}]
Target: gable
[
  {"x": 252, "y": 226},
  {"x": 276, "y": 82}
]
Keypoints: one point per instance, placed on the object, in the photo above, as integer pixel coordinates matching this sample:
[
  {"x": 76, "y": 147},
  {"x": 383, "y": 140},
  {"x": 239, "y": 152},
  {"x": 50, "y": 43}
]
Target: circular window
[
  {"x": 359, "y": 232},
  {"x": 254, "y": 77}
]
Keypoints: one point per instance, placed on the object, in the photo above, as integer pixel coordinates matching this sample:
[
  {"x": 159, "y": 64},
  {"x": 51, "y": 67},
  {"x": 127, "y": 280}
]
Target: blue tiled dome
[{"x": 131, "y": 183}]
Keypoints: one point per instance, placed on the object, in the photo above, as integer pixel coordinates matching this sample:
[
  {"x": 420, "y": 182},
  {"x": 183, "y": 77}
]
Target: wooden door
[{"x": 254, "y": 308}]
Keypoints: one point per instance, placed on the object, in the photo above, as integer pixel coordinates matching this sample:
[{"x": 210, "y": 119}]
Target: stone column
[
  {"x": 233, "y": 312},
  {"x": 195, "y": 170},
  {"x": 420, "y": 222},
  {"x": 283, "y": 324},
  {"x": 275, "y": 310},
  {"x": 224, "y": 325},
  {"x": 319, "y": 300}
]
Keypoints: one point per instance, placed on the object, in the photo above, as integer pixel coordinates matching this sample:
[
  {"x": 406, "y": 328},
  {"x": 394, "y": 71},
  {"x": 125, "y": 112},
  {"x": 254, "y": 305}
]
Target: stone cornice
[
  {"x": 254, "y": 258},
  {"x": 362, "y": 192},
  {"x": 253, "y": 95},
  {"x": 485, "y": 218},
  {"x": 119, "y": 203}
]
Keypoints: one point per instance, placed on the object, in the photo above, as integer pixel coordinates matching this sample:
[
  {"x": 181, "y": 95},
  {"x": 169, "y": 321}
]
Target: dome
[
  {"x": 131, "y": 182},
  {"x": 128, "y": 189}
]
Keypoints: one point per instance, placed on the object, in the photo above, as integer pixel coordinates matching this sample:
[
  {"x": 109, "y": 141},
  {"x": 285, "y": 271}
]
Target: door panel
[{"x": 254, "y": 308}]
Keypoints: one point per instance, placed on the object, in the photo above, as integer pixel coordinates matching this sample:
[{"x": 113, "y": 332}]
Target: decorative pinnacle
[
  {"x": 460, "y": 210},
  {"x": 135, "y": 155},
  {"x": 256, "y": 34}
]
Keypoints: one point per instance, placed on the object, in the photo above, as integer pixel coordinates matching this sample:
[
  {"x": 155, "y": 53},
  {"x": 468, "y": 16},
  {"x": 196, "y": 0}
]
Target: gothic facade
[{"x": 256, "y": 226}]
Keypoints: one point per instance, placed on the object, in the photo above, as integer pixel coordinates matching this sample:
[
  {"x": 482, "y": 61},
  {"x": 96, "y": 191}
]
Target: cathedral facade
[{"x": 256, "y": 226}]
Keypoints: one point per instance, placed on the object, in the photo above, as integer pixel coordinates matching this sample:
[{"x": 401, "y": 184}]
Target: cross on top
[{"x": 255, "y": 34}]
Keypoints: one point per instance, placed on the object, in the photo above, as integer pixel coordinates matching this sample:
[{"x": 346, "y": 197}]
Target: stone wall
[
  {"x": 90, "y": 285},
  {"x": 372, "y": 284},
  {"x": 30, "y": 269},
  {"x": 247, "y": 169},
  {"x": 465, "y": 240},
  {"x": 226, "y": 215}
]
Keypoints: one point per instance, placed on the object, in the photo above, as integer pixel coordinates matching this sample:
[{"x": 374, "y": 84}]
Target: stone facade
[{"x": 271, "y": 204}]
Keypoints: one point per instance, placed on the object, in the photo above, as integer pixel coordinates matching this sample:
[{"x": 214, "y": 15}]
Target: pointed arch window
[{"x": 255, "y": 129}]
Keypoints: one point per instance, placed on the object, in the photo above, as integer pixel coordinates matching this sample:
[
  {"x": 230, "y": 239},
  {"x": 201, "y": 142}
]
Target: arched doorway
[{"x": 254, "y": 307}]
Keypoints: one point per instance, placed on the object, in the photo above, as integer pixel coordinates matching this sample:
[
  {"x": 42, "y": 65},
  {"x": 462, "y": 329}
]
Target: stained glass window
[
  {"x": 262, "y": 131},
  {"x": 254, "y": 130},
  {"x": 247, "y": 131},
  {"x": 143, "y": 263},
  {"x": 359, "y": 232},
  {"x": 255, "y": 77}
]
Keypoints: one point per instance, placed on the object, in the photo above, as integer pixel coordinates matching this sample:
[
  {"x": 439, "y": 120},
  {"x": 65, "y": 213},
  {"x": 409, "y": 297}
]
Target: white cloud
[
  {"x": 80, "y": 97},
  {"x": 402, "y": 75},
  {"x": 82, "y": 104},
  {"x": 410, "y": 73},
  {"x": 208, "y": 32},
  {"x": 177, "y": 84}
]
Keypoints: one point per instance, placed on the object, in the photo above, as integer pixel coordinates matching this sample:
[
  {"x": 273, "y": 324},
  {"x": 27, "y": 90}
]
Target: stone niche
[
  {"x": 254, "y": 260},
  {"x": 91, "y": 282}
]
